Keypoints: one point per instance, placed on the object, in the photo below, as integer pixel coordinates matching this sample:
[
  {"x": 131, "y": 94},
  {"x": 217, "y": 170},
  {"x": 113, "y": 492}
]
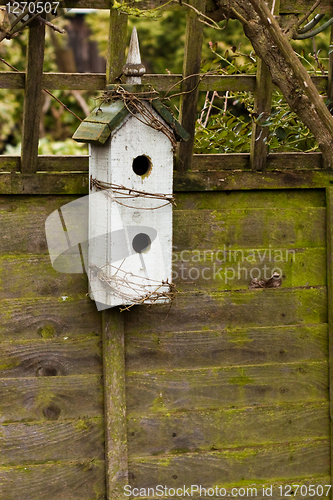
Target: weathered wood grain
[
  {"x": 214, "y": 180},
  {"x": 189, "y": 87},
  {"x": 329, "y": 196},
  {"x": 297, "y": 199},
  {"x": 205, "y": 270},
  {"x": 147, "y": 350},
  {"x": 195, "y": 311},
  {"x": 241, "y": 161},
  {"x": 215, "y": 271},
  {"x": 115, "y": 403},
  {"x": 63, "y": 481},
  {"x": 233, "y": 466},
  {"x": 198, "y": 431},
  {"x": 22, "y": 222},
  {"x": 230, "y": 161},
  {"x": 32, "y": 318},
  {"x": 33, "y": 276},
  {"x": 212, "y": 388},
  {"x": 77, "y": 183},
  {"x": 249, "y": 228},
  {"x": 64, "y": 163},
  {"x": 36, "y": 442},
  {"x": 44, "y": 183},
  {"x": 262, "y": 110},
  {"x": 238, "y": 180},
  {"x": 32, "y": 97},
  {"x": 161, "y": 83},
  {"x": 49, "y": 358},
  {"x": 116, "y": 46},
  {"x": 51, "y": 398}
]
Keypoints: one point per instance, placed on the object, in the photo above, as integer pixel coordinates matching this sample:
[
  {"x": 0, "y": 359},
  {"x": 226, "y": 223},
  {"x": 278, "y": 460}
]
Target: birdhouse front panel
[{"x": 130, "y": 224}]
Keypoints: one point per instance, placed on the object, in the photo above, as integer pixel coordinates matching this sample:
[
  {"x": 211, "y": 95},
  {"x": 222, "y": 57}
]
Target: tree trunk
[{"x": 271, "y": 44}]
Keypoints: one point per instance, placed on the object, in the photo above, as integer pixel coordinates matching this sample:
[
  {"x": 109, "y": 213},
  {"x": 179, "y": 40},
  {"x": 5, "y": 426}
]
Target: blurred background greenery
[{"x": 224, "y": 120}]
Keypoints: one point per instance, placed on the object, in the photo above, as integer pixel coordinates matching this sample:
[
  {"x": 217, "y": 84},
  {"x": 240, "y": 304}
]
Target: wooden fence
[{"x": 232, "y": 387}]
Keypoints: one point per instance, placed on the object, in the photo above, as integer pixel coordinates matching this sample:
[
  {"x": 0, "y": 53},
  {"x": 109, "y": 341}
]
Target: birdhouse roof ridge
[{"x": 98, "y": 125}]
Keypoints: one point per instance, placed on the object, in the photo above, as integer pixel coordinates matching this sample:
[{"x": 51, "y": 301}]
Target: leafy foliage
[{"x": 225, "y": 122}]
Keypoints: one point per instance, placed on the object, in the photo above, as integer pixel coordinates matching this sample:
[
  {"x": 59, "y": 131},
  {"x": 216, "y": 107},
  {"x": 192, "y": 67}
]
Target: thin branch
[
  {"x": 44, "y": 90},
  {"x": 304, "y": 18}
]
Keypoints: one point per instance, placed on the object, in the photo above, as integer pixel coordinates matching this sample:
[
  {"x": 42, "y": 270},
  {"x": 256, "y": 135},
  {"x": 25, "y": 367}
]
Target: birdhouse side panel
[{"x": 141, "y": 158}]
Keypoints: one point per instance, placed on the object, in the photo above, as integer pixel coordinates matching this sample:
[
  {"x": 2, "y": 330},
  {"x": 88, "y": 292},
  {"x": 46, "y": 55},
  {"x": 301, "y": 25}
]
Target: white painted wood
[{"x": 113, "y": 226}]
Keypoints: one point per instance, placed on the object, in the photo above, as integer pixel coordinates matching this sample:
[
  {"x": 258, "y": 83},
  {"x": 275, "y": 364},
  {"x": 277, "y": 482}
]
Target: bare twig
[
  {"x": 304, "y": 18},
  {"x": 45, "y": 90}
]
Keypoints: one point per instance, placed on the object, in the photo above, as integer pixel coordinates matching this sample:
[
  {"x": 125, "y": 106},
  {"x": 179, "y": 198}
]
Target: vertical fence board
[
  {"x": 262, "y": 106},
  {"x": 117, "y": 45},
  {"x": 330, "y": 71},
  {"x": 114, "y": 403},
  {"x": 329, "y": 225},
  {"x": 192, "y": 61},
  {"x": 32, "y": 97}
]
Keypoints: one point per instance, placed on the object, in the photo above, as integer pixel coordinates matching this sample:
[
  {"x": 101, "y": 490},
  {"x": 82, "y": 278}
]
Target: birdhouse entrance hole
[
  {"x": 141, "y": 165},
  {"x": 141, "y": 242}
]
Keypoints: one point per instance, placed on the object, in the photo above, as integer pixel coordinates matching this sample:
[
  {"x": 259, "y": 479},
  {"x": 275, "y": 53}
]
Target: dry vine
[
  {"x": 125, "y": 193},
  {"x": 133, "y": 102},
  {"x": 122, "y": 284}
]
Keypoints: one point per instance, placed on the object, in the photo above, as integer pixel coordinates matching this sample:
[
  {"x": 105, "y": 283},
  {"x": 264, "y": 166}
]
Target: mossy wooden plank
[
  {"x": 237, "y": 180},
  {"x": 115, "y": 403},
  {"x": 92, "y": 132},
  {"x": 212, "y": 388},
  {"x": 36, "y": 442},
  {"x": 228, "y": 467},
  {"x": 48, "y": 318},
  {"x": 249, "y": 228},
  {"x": 217, "y": 271},
  {"x": 46, "y": 163},
  {"x": 147, "y": 350},
  {"x": 241, "y": 161},
  {"x": 191, "y": 78},
  {"x": 34, "y": 276},
  {"x": 329, "y": 195},
  {"x": 60, "y": 481},
  {"x": 116, "y": 45},
  {"x": 288, "y": 198},
  {"x": 44, "y": 183},
  {"x": 50, "y": 398},
  {"x": 262, "y": 110},
  {"x": 32, "y": 97},
  {"x": 197, "y": 431},
  {"x": 202, "y": 162},
  {"x": 217, "y": 311},
  {"x": 22, "y": 222},
  {"x": 161, "y": 83},
  {"x": 77, "y": 183},
  {"x": 207, "y": 270},
  {"x": 49, "y": 358}
]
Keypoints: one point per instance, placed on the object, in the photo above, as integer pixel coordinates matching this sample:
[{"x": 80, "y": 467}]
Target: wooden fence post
[
  {"x": 117, "y": 45},
  {"x": 262, "y": 108},
  {"x": 329, "y": 242},
  {"x": 113, "y": 323},
  {"x": 330, "y": 71},
  {"x": 32, "y": 97},
  {"x": 188, "y": 104},
  {"x": 114, "y": 403}
]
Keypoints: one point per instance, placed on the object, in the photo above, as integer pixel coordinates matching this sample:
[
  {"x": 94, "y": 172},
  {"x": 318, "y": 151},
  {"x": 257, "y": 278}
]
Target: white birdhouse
[{"x": 132, "y": 138}]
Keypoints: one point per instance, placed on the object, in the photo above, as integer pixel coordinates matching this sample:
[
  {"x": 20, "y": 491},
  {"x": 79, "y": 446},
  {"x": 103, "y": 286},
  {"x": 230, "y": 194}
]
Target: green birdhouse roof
[{"x": 97, "y": 127}]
